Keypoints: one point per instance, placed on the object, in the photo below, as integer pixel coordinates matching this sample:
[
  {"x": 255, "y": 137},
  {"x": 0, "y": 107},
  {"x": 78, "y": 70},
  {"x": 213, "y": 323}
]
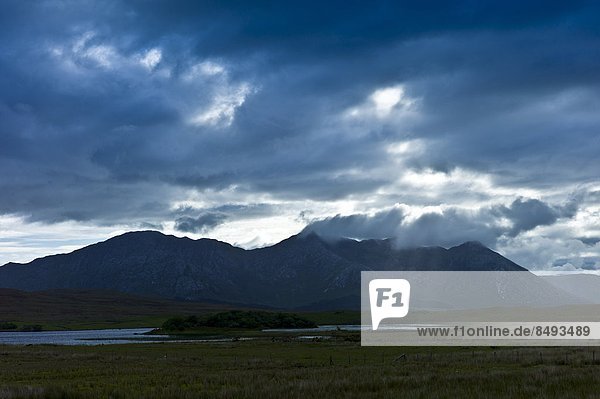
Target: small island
[{"x": 238, "y": 319}]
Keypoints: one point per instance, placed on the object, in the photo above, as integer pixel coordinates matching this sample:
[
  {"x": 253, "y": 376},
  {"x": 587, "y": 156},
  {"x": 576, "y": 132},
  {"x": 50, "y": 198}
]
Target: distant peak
[
  {"x": 306, "y": 232},
  {"x": 472, "y": 244},
  {"x": 157, "y": 235},
  {"x": 138, "y": 235},
  {"x": 142, "y": 233},
  {"x": 304, "y": 238}
]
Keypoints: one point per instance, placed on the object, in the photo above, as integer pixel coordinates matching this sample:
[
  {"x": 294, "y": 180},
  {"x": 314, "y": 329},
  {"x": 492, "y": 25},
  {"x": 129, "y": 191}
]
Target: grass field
[{"x": 280, "y": 369}]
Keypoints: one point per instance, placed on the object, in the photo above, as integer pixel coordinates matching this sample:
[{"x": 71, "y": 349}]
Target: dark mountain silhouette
[{"x": 303, "y": 271}]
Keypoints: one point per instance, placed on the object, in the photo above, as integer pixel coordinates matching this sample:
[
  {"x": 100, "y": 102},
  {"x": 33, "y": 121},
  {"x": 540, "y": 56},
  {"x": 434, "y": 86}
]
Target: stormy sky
[{"x": 432, "y": 122}]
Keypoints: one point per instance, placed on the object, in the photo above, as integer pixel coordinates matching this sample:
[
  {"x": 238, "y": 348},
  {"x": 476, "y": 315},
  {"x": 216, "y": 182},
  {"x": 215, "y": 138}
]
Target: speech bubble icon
[{"x": 389, "y": 298}]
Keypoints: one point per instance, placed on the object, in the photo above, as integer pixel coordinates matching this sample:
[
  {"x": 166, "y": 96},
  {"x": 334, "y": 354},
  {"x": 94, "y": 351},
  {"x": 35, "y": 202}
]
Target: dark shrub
[
  {"x": 239, "y": 319},
  {"x": 7, "y": 326}
]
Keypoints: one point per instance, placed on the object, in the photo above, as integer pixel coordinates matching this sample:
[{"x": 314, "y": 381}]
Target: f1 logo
[{"x": 389, "y": 298}]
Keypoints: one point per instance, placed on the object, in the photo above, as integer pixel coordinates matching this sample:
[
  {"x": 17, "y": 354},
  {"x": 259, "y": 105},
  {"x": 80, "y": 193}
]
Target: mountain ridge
[{"x": 301, "y": 271}]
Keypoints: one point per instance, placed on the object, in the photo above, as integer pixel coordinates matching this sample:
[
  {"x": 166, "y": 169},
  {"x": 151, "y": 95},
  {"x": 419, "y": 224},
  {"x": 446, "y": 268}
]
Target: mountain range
[{"x": 304, "y": 271}]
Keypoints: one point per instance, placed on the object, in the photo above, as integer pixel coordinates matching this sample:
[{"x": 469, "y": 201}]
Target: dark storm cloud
[
  {"x": 89, "y": 134},
  {"x": 449, "y": 227},
  {"x": 381, "y": 225},
  {"x": 234, "y": 211},
  {"x": 191, "y": 220},
  {"x": 527, "y": 214},
  {"x": 340, "y": 26},
  {"x": 199, "y": 224},
  {"x": 590, "y": 241}
]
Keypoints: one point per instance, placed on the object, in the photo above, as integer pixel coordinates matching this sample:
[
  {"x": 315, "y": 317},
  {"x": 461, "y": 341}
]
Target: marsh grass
[{"x": 265, "y": 369}]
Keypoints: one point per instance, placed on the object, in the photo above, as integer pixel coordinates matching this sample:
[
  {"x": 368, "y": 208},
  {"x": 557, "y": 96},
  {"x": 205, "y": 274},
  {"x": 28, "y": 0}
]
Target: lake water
[
  {"x": 82, "y": 337},
  {"x": 347, "y": 327},
  {"x": 124, "y": 336},
  {"x": 353, "y": 327},
  {"x": 136, "y": 335}
]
